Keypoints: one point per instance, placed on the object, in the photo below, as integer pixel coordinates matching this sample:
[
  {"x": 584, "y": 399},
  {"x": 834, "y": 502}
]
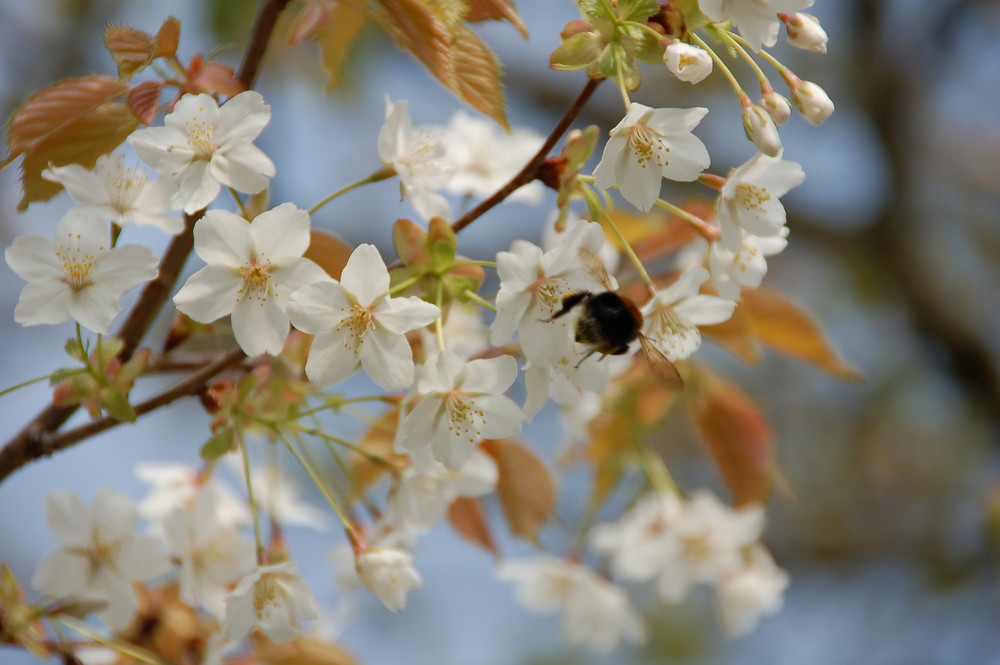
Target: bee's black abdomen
[{"x": 608, "y": 324}]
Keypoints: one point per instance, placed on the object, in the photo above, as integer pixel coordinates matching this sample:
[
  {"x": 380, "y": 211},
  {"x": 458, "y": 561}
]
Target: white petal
[
  {"x": 293, "y": 275},
  {"x": 125, "y": 266},
  {"x": 706, "y": 310},
  {"x": 61, "y": 573},
  {"x": 33, "y": 257},
  {"x": 395, "y": 132},
  {"x": 275, "y": 621},
  {"x": 243, "y": 116},
  {"x": 240, "y": 616},
  {"x": 490, "y": 375},
  {"x": 197, "y": 188},
  {"x": 223, "y": 238},
  {"x": 686, "y": 286},
  {"x": 121, "y": 598},
  {"x": 688, "y": 158},
  {"x": 68, "y": 518},
  {"x": 242, "y": 166},
  {"x": 503, "y": 416},
  {"x": 141, "y": 558},
  {"x": 331, "y": 359},
  {"x": 318, "y": 307},
  {"x": 209, "y": 294},
  {"x": 401, "y": 315},
  {"x": 281, "y": 233},
  {"x": 94, "y": 307},
  {"x": 43, "y": 302},
  {"x": 605, "y": 176},
  {"x": 427, "y": 202},
  {"x": 387, "y": 359},
  {"x": 638, "y": 183},
  {"x": 164, "y": 149},
  {"x": 365, "y": 275},
  {"x": 511, "y": 309},
  {"x": 85, "y": 186},
  {"x": 260, "y": 326}
]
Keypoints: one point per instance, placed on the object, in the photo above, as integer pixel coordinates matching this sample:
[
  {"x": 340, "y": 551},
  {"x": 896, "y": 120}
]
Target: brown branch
[
  {"x": 530, "y": 170},
  {"x": 35, "y": 440}
]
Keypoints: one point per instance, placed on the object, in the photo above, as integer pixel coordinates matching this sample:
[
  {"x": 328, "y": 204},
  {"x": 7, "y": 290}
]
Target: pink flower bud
[
  {"x": 776, "y": 106},
  {"x": 805, "y": 32}
]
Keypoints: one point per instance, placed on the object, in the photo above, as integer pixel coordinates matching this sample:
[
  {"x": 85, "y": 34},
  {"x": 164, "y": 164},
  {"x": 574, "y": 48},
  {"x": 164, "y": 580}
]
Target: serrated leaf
[
  {"x": 74, "y": 121},
  {"x": 467, "y": 517},
  {"x": 637, "y": 10},
  {"x": 144, "y": 100},
  {"x": 218, "y": 445},
  {"x": 167, "y": 38},
  {"x": 117, "y": 405},
  {"x": 417, "y": 29},
  {"x": 477, "y": 76},
  {"x": 782, "y": 324},
  {"x": 737, "y": 435},
  {"x": 132, "y": 50},
  {"x": 526, "y": 489},
  {"x": 496, "y": 10},
  {"x": 328, "y": 252},
  {"x": 346, "y": 20},
  {"x": 577, "y": 51},
  {"x": 75, "y": 350}
]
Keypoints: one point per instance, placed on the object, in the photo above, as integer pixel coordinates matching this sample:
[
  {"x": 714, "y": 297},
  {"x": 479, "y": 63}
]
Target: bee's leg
[
  {"x": 585, "y": 356},
  {"x": 569, "y": 302}
]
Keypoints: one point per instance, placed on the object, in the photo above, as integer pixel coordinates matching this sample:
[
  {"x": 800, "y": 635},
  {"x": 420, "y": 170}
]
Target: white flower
[
  {"x": 639, "y": 540},
  {"x": 271, "y": 597},
  {"x": 485, "y": 158},
  {"x": 356, "y": 320},
  {"x": 465, "y": 331},
  {"x": 757, "y": 20},
  {"x": 253, "y": 269},
  {"x": 78, "y": 275},
  {"x": 114, "y": 192},
  {"x": 687, "y": 62},
  {"x": 419, "y": 160},
  {"x": 758, "y": 124},
  {"x": 100, "y": 553},
  {"x": 533, "y": 285},
  {"x": 565, "y": 380},
  {"x": 750, "y": 198},
  {"x": 212, "y": 554},
  {"x": 205, "y": 146},
  {"x": 673, "y": 315},
  {"x": 595, "y": 612},
  {"x": 708, "y": 543},
  {"x": 176, "y": 485},
  {"x": 277, "y": 493},
  {"x": 777, "y": 107},
  {"x": 812, "y": 102},
  {"x": 647, "y": 146},
  {"x": 458, "y": 403},
  {"x": 751, "y": 592},
  {"x": 421, "y": 498},
  {"x": 805, "y": 32},
  {"x": 389, "y": 574},
  {"x": 746, "y": 266}
]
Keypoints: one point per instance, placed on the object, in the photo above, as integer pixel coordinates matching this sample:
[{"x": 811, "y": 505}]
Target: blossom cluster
[{"x": 560, "y": 326}]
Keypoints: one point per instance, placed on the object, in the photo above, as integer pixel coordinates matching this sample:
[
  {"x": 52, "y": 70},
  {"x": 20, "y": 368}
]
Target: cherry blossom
[
  {"x": 639, "y": 540},
  {"x": 750, "y": 198},
  {"x": 78, "y": 275},
  {"x": 204, "y": 146},
  {"x": 754, "y": 590},
  {"x": 271, "y": 597},
  {"x": 757, "y": 20},
  {"x": 673, "y": 315},
  {"x": 595, "y": 612},
  {"x": 114, "y": 192},
  {"x": 419, "y": 159},
  {"x": 253, "y": 269},
  {"x": 687, "y": 62},
  {"x": 389, "y": 574},
  {"x": 100, "y": 554},
  {"x": 458, "y": 403},
  {"x": 746, "y": 266},
  {"x": 649, "y": 145},
  {"x": 177, "y": 485},
  {"x": 355, "y": 320},
  {"x": 812, "y": 102}
]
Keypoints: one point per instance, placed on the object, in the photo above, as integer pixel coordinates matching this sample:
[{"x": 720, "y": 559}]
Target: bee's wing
[
  {"x": 665, "y": 370},
  {"x": 595, "y": 266}
]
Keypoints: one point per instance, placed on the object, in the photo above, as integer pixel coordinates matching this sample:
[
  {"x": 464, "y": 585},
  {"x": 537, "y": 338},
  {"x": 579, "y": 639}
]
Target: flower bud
[
  {"x": 812, "y": 102},
  {"x": 688, "y": 63},
  {"x": 761, "y": 130},
  {"x": 805, "y": 32},
  {"x": 389, "y": 574},
  {"x": 776, "y": 106}
]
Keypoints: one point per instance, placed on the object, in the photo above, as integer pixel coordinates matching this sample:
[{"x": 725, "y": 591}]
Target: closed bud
[
  {"x": 761, "y": 130},
  {"x": 812, "y": 102},
  {"x": 777, "y": 107},
  {"x": 805, "y": 32},
  {"x": 688, "y": 63}
]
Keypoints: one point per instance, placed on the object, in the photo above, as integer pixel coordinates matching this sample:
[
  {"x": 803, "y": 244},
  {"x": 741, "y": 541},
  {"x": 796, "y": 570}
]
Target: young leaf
[
  {"x": 737, "y": 435},
  {"x": 218, "y": 445},
  {"x": 466, "y": 516},
  {"x": 144, "y": 100},
  {"x": 328, "y": 252},
  {"x": 477, "y": 76},
  {"x": 132, "y": 50},
  {"x": 74, "y": 121},
  {"x": 167, "y": 38},
  {"x": 526, "y": 489},
  {"x": 417, "y": 29},
  {"x": 346, "y": 20},
  {"x": 496, "y": 10},
  {"x": 116, "y": 404}
]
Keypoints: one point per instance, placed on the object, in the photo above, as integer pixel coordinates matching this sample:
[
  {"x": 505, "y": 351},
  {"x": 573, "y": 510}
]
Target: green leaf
[
  {"x": 74, "y": 349},
  {"x": 442, "y": 255},
  {"x": 577, "y": 51},
  {"x": 637, "y": 10},
  {"x": 218, "y": 445},
  {"x": 116, "y": 404}
]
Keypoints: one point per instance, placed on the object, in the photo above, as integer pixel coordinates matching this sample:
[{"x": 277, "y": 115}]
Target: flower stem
[
  {"x": 239, "y": 203},
  {"x": 479, "y": 300},
  {"x": 381, "y": 174},
  {"x": 439, "y": 321},
  {"x": 261, "y": 553},
  {"x": 761, "y": 76},
  {"x": 25, "y": 384},
  {"x": 124, "y": 648},
  {"x": 704, "y": 229},
  {"x": 405, "y": 284},
  {"x": 719, "y": 63},
  {"x": 626, "y": 247},
  {"x": 370, "y": 456},
  {"x": 320, "y": 485}
]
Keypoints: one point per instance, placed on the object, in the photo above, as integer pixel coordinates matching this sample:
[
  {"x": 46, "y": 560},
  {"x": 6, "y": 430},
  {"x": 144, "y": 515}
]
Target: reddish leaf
[
  {"x": 782, "y": 324},
  {"x": 496, "y": 10},
  {"x": 466, "y": 516},
  {"x": 378, "y": 441},
  {"x": 167, "y": 38},
  {"x": 737, "y": 435},
  {"x": 737, "y": 335},
  {"x": 346, "y": 20},
  {"x": 417, "y": 29},
  {"x": 144, "y": 100},
  {"x": 131, "y": 49},
  {"x": 328, "y": 251},
  {"x": 301, "y": 651},
  {"x": 526, "y": 489},
  {"x": 477, "y": 76}
]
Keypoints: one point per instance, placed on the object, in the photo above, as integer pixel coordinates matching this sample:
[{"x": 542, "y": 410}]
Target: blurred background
[{"x": 890, "y": 532}]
